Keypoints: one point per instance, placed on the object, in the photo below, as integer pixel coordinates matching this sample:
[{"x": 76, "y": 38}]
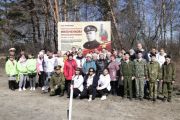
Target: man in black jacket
[
  {"x": 144, "y": 53},
  {"x": 101, "y": 64}
]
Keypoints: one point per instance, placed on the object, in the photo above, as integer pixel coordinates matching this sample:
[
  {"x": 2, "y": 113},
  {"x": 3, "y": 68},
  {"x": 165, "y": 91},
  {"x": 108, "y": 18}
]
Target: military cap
[
  {"x": 127, "y": 53},
  {"x": 139, "y": 52},
  {"x": 12, "y": 49},
  {"x": 57, "y": 67},
  {"x": 90, "y": 28}
]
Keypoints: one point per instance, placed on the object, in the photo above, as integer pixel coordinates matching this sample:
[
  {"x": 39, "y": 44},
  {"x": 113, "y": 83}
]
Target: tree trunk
[
  {"x": 171, "y": 22},
  {"x": 65, "y": 10},
  {"x": 55, "y": 36},
  {"x": 33, "y": 28},
  {"x": 46, "y": 37},
  {"x": 38, "y": 28},
  {"x": 114, "y": 25},
  {"x": 179, "y": 44},
  {"x": 164, "y": 23}
]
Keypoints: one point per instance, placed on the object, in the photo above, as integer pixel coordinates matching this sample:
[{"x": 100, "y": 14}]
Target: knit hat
[
  {"x": 89, "y": 55},
  {"x": 41, "y": 53}
]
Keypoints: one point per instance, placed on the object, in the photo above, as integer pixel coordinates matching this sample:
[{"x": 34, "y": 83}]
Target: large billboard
[{"x": 85, "y": 35}]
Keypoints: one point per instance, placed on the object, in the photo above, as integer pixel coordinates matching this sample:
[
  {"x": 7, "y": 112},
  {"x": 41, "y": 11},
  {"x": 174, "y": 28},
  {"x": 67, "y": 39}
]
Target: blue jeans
[
  {"x": 22, "y": 80},
  {"x": 48, "y": 77}
]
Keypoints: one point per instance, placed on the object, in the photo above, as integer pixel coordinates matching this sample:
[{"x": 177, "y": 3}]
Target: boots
[
  {"x": 61, "y": 94},
  {"x": 164, "y": 99},
  {"x": 13, "y": 85},
  {"x": 9, "y": 83}
]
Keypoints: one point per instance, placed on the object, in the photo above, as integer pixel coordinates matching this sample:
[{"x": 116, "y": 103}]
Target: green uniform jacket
[
  {"x": 153, "y": 71},
  {"x": 31, "y": 66},
  {"x": 11, "y": 68},
  {"x": 57, "y": 80},
  {"x": 168, "y": 72},
  {"x": 127, "y": 69},
  {"x": 140, "y": 68},
  {"x": 22, "y": 68}
]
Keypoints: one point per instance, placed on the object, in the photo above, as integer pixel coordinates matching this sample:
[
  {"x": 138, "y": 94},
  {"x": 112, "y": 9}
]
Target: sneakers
[
  {"x": 90, "y": 98},
  {"x": 43, "y": 88},
  {"x": 103, "y": 97},
  {"x": 34, "y": 88},
  {"x": 31, "y": 89},
  {"x": 24, "y": 88},
  {"x": 20, "y": 89}
]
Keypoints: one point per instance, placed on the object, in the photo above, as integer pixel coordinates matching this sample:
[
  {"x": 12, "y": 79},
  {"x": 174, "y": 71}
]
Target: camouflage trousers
[
  {"x": 159, "y": 88},
  {"x": 57, "y": 91},
  {"x": 153, "y": 90},
  {"x": 167, "y": 89},
  {"x": 139, "y": 87},
  {"x": 128, "y": 86}
]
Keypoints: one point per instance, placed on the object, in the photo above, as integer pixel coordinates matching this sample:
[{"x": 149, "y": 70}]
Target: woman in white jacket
[
  {"x": 78, "y": 82},
  {"x": 104, "y": 86}
]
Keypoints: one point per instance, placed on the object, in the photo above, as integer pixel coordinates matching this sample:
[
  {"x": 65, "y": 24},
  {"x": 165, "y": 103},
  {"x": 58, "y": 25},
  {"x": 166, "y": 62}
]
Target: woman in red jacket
[{"x": 70, "y": 66}]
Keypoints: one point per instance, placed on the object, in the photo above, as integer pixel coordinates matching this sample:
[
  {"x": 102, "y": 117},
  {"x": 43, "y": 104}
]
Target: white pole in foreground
[{"x": 71, "y": 100}]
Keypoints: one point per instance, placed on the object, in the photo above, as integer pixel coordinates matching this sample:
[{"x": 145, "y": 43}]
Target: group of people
[{"x": 96, "y": 74}]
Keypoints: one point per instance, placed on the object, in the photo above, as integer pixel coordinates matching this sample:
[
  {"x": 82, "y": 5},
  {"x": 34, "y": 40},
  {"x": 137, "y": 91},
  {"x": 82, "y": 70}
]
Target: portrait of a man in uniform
[{"x": 92, "y": 43}]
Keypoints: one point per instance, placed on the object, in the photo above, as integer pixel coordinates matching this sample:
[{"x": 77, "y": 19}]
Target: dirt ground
[{"x": 26, "y": 105}]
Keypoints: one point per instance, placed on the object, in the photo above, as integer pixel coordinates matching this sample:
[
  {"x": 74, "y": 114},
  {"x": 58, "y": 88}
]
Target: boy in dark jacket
[{"x": 168, "y": 78}]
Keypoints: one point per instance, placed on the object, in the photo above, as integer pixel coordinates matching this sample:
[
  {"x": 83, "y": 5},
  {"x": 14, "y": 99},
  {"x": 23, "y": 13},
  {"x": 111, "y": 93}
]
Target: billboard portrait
[{"x": 85, "y": 35}]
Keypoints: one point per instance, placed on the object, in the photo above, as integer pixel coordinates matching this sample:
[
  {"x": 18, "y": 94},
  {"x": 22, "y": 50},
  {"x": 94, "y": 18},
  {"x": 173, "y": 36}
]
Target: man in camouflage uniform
[
  {"x": 127, "y": 75},
  {"x": 168, "y": 78},
  {"x": 140, "y": 72},
  {"x": 153, "y": 73},
  {"x": 57, "y": 82}
]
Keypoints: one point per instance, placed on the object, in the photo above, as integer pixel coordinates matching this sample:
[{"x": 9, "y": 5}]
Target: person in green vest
[
  {"x": 11, "y": 71},
  {"x": 168, "y": 78},
  {"x": 22, "y": 72},
  {"x": 57, "y": 82},
  {"x": 31, "y": 69},
  {"x": 153, "y": 74},
  {"x": 127, "y": 75}
]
